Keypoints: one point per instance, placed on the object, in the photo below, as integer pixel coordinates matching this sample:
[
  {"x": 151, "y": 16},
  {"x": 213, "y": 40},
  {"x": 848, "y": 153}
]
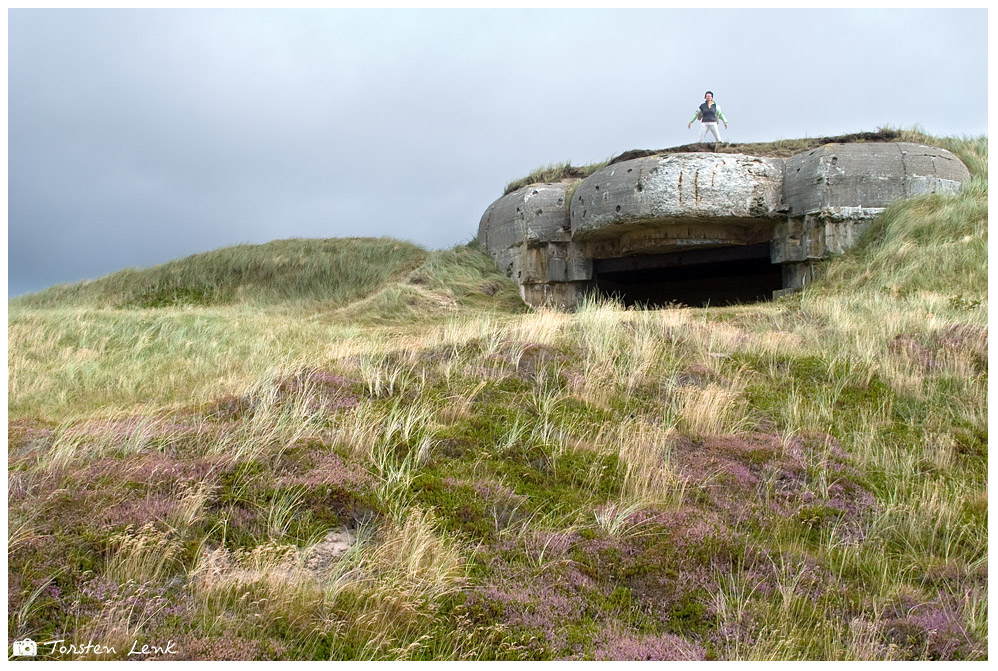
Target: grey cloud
[{"x": 140, "y": 136}]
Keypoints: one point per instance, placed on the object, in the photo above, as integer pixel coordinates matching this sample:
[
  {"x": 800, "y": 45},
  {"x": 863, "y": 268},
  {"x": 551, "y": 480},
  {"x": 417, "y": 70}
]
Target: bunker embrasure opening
[{"x": 697, "y": 278}]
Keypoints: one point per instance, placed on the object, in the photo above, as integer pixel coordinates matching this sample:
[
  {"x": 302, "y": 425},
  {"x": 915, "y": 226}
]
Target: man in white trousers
[{"x": 709, "y": 114}]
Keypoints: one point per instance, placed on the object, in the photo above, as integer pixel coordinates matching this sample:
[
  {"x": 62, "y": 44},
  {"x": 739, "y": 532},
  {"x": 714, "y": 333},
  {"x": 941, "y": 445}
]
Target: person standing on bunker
[{"x": 709, "y": 114}]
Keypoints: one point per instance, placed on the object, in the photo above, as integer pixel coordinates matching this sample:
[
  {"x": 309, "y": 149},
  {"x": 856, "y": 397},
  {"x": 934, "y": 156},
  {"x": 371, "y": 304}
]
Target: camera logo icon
[{"x": 25, "y": 648}]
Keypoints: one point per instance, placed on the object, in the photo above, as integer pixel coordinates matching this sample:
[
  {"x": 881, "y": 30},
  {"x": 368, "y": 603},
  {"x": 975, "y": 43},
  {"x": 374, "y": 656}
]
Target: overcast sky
[{"x": 140, "y": 136}]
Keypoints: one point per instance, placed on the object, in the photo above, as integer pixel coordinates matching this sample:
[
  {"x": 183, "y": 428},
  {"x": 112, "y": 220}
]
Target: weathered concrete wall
[
  {"x": 532, "y": 215},
  {"x": 807, "y": 207},
  {"x": 656, "y": 204},
  {"x": 834, "y": 192},
  {"x": 868, "y": 175},
  {"x": 528, "y": 233},
  {"x": 662, "y": 191}
]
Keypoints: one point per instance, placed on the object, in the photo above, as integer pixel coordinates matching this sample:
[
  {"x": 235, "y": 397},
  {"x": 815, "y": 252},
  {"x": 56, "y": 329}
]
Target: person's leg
[
  {"x": 703, "y": 132},
  {"x": 716, "y": 131}
]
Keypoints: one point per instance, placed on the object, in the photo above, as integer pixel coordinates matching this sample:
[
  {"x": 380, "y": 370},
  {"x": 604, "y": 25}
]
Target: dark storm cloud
[{"x": 140, "y": 136}]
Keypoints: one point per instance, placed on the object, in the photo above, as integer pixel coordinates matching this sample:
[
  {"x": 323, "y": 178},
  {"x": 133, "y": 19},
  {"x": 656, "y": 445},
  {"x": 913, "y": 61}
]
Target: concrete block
[
  {"x": 532, "y": 266},
  {"x": 557, "y": 270},
  {"x": 796, "y": 276},
  {"x": 562, "y": 296},
  {"x": 787, "y": 249},
  {"x": 675, "y": 189},
  {"x": 867, "y": 175},
  {"x": 532, "y": 215},
  {"x": 580, "y": 269}
]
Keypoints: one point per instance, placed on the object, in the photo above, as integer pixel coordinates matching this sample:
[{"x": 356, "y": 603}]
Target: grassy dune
[
  {"x": 293, "y": 271},
  {"x": 403, "y": 463}
]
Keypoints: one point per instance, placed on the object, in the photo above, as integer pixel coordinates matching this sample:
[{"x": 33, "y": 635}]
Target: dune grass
[
  {"x": 554, "y": 172},
  {"x": 295, "y": 271},
  {"x": 422, "y": 469}
]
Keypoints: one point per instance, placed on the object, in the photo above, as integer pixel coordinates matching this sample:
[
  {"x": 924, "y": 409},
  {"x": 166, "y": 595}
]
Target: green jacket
[{"x": 720, "y": 115}]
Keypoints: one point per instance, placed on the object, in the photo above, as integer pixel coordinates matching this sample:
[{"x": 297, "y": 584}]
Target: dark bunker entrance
[{"x": 697, "y": 278}]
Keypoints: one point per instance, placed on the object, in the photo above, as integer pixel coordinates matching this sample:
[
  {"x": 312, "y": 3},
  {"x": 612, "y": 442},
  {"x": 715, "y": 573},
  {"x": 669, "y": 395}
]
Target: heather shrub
[{"x": 400, "y": 463}]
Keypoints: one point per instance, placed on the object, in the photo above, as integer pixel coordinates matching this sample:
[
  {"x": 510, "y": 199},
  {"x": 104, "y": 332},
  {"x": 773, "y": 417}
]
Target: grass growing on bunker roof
[
  {"x": 801, "y": 479},
  {"x": 554, "y": 172}
]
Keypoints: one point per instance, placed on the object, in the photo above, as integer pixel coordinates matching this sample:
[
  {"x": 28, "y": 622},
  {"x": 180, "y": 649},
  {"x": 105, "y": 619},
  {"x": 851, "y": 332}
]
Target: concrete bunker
[{"x": 703, "y": 228}]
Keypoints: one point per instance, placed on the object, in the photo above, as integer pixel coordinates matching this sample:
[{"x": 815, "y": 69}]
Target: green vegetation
[
  {"x": 335, "y": 271},
  {"x": 401, "y": 462},
  {"x": 555, "y": 172}
]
